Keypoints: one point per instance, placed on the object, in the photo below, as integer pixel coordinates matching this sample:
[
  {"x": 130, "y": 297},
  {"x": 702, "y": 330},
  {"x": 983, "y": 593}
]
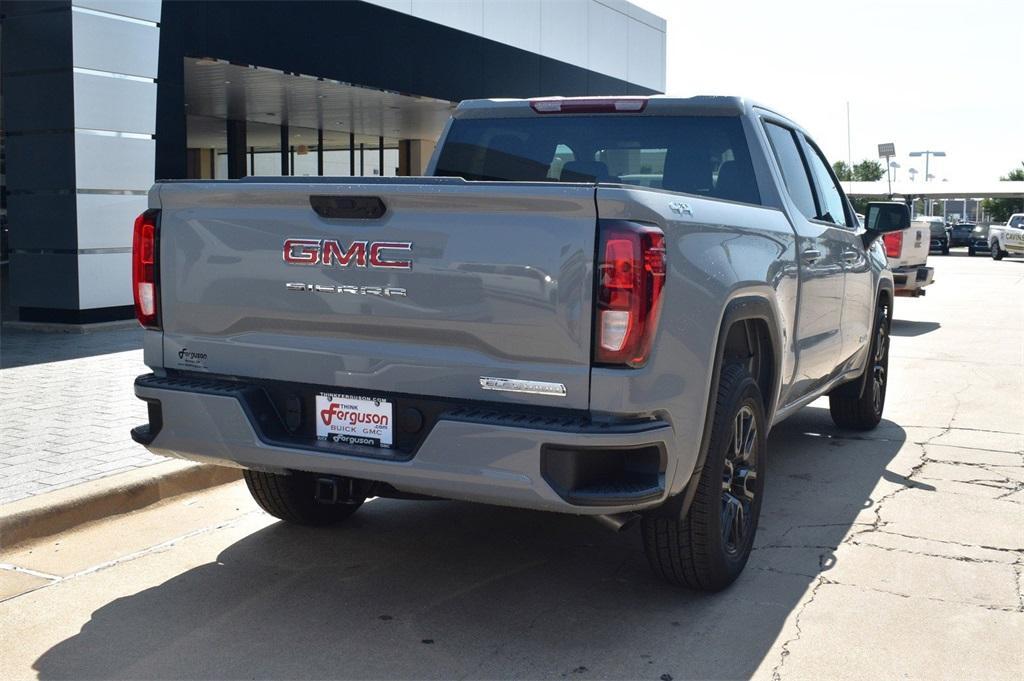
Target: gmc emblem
[{"x": 358, "y": 253}]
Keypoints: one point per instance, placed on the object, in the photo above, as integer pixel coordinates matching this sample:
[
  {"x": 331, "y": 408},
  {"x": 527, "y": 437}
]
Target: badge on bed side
[{"x": 515, "y": 385}]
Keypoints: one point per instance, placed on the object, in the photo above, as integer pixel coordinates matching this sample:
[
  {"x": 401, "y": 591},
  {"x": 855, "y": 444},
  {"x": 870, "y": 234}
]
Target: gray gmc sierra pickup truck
[{"x": 596, "y": 306}]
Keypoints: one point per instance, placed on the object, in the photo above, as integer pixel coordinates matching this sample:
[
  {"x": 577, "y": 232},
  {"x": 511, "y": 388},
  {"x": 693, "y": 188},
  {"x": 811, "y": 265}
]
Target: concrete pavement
[{"x": 896, "y": 553}]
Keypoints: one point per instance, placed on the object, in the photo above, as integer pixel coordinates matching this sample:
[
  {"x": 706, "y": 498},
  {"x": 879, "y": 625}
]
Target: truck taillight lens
[
  {"x": 893, "y": 244},
  {"x": 630, "y": 279},
  {"x": 145, "y": 259}
]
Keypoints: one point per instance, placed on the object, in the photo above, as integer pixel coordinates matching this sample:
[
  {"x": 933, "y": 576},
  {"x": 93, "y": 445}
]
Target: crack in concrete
[
  {"x": 973, "y": 430},
  {"x": 878, "y": 525},
  {"x": 954, "y": 543},
  {"x": 900, "y": 594},
  {"x": 1018, "y": 569},
  {"x": 825, "y": 581},
  {"x": 928, "y": 554},
  {"x": 914, "y": 470},
  {"x": 156, "y": 548},
  {"x": 1018, "y": 452},
  {"x": 784, "y": 653}
]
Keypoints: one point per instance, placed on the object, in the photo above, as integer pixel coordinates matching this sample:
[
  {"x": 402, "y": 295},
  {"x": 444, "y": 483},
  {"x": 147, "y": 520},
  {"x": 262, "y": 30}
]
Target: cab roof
[{"x": 652, "y": 105}]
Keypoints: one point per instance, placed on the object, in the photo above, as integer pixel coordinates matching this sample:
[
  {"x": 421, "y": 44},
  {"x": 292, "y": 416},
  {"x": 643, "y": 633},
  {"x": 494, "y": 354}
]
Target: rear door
[
  {"x": 820, "y": 251},
  {"x": 858, "y": 287},
  {"x": 453, "y": 283}
]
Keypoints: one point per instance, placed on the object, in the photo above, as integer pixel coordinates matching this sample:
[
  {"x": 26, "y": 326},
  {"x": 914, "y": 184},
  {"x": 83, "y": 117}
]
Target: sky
[{"x": 923, "y": 74}]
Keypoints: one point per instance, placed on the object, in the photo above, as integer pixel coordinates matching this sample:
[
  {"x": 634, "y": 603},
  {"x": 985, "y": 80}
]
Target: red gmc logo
[{"x": 358, "y": 253}]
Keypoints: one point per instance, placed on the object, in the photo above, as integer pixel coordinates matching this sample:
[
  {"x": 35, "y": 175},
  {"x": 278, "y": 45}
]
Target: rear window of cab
[{"x": 702, "y": 155}]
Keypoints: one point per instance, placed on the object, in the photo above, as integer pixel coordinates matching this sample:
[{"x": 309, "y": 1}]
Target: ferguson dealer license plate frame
[{"x": 355, "y": 420}]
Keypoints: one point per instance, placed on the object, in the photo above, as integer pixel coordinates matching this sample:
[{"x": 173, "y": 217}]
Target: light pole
[{"x": 927, "y": 157}]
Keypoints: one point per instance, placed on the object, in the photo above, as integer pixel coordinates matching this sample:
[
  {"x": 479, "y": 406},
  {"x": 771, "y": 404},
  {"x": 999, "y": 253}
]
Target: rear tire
[
  {"x": 863, "y": 411},
  {"x": 708, "y": 547},
  {"x": 291, "y": 498},
  {"x": 997, "y": 253},
  {"x": 945, "y": 250}
]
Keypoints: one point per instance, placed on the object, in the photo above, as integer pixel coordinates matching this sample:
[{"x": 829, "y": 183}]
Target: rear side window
[
  {"x": 703, "y": 155},
  {"x": 793, "y": 171},
  {"x": 1017, "y": 221}
]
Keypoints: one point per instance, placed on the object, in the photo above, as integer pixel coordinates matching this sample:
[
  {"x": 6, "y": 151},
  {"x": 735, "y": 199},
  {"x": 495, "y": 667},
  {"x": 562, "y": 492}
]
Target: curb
[{"x": 61, "y": 510}]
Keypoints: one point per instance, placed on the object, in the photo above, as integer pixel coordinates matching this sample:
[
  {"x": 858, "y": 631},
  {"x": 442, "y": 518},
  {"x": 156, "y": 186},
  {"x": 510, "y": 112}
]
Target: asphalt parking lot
[{"x": 897, "y": 553}]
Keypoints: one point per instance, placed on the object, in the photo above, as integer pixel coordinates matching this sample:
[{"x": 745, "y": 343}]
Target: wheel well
[
  {"x": 885, "y": 298},
  {"x": 749, "y": 342}
]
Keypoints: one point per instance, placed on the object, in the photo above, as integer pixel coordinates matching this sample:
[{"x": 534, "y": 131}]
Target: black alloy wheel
[
  {"x": 858, "y": 405},
  {"x": 738, "y": 482}
]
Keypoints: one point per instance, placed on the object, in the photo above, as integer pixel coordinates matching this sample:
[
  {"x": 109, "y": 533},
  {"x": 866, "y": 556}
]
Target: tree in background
[
  {"x": 842, "y": 171},
  {"x": 868, "y": 171},
  {"x": 1000, "y": 210},
  {"x": 865, "y": 171}
]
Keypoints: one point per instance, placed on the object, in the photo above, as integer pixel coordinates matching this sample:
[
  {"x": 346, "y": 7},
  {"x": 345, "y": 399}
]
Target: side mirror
[{"x": 884, "y": 217}]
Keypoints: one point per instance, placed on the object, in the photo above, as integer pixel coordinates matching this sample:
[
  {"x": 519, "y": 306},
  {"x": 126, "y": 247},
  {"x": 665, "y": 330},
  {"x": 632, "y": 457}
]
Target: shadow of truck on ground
[{"x": 451, "y": 590}]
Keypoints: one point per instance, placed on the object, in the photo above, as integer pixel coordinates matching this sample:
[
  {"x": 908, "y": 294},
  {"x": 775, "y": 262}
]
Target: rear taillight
[
  {"x": 630, "y": 279},
  {"x": 893, "y": 244},
  {"x": 145, "y": 258}
]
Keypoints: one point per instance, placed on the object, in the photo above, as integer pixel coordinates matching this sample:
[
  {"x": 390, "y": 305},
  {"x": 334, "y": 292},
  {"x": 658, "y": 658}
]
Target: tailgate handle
[{"x": 347, "y": 207}]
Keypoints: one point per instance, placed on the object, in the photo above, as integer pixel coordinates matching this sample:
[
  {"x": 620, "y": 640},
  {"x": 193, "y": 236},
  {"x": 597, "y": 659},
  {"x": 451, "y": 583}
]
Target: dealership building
[{"x": 101, "y": 97}]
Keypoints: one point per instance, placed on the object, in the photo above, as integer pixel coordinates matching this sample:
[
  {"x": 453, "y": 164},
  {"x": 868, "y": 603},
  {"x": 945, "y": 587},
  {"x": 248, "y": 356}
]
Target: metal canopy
[
  {"x": 938, "y": 190},
  {"x": 215, "y": 89}
]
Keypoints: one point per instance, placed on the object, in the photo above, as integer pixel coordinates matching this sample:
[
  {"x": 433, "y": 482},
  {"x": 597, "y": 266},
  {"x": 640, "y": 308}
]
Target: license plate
[{"x": 354, "y": 420}]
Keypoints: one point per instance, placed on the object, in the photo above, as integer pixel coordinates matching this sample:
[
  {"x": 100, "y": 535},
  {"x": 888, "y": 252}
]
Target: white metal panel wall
[
  {"x": 105, "y": 220},
  {"x": 116, "y": 51},
  {"x": 115, "y": 45},
  {"x": 104, "y": 103},
  {"x": 608, "y": 37},
  {"x": 114, "y": 164},
  {"x": 104, "y": 280},
  {"x": 613, "y": 37},
  {"x": 646, "y": 54},
  {"x": 513, "y": 22},
  {"x": 465, "y": 15},
  {"x": 147, "y": 10},
  {"x": 558, "y": 39}
]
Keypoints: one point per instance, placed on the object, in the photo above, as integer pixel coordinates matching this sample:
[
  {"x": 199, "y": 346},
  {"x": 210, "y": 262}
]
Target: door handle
[
  {"x": 851, "y": 256},
  {"x": 811, "y": 256}
]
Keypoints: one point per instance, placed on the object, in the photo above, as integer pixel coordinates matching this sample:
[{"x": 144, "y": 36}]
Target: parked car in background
[
  {"x": 939, "y": 236},
  {"x": 978, "y": 242},
  {"x": 907, "y": 252},
  {"x": 1008, "y": 239},
  {"x": 960, "y": 234}
]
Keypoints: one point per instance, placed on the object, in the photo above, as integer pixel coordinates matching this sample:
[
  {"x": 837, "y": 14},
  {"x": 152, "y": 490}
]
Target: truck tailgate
[
  {"x": 499, "y": 284},
  {"x": 916, "y": 240}
]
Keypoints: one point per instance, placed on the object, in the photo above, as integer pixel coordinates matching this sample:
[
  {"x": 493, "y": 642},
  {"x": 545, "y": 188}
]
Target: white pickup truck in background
[
  {"x": 907, "y": 252},
  {"x": 1007, "y": 239}
]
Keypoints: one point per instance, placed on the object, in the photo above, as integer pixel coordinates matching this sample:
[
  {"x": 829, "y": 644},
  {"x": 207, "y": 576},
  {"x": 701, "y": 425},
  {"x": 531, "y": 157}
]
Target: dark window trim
[
  {"x": 807, "y": 170},
  {"x": 851, "y": 224}
]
